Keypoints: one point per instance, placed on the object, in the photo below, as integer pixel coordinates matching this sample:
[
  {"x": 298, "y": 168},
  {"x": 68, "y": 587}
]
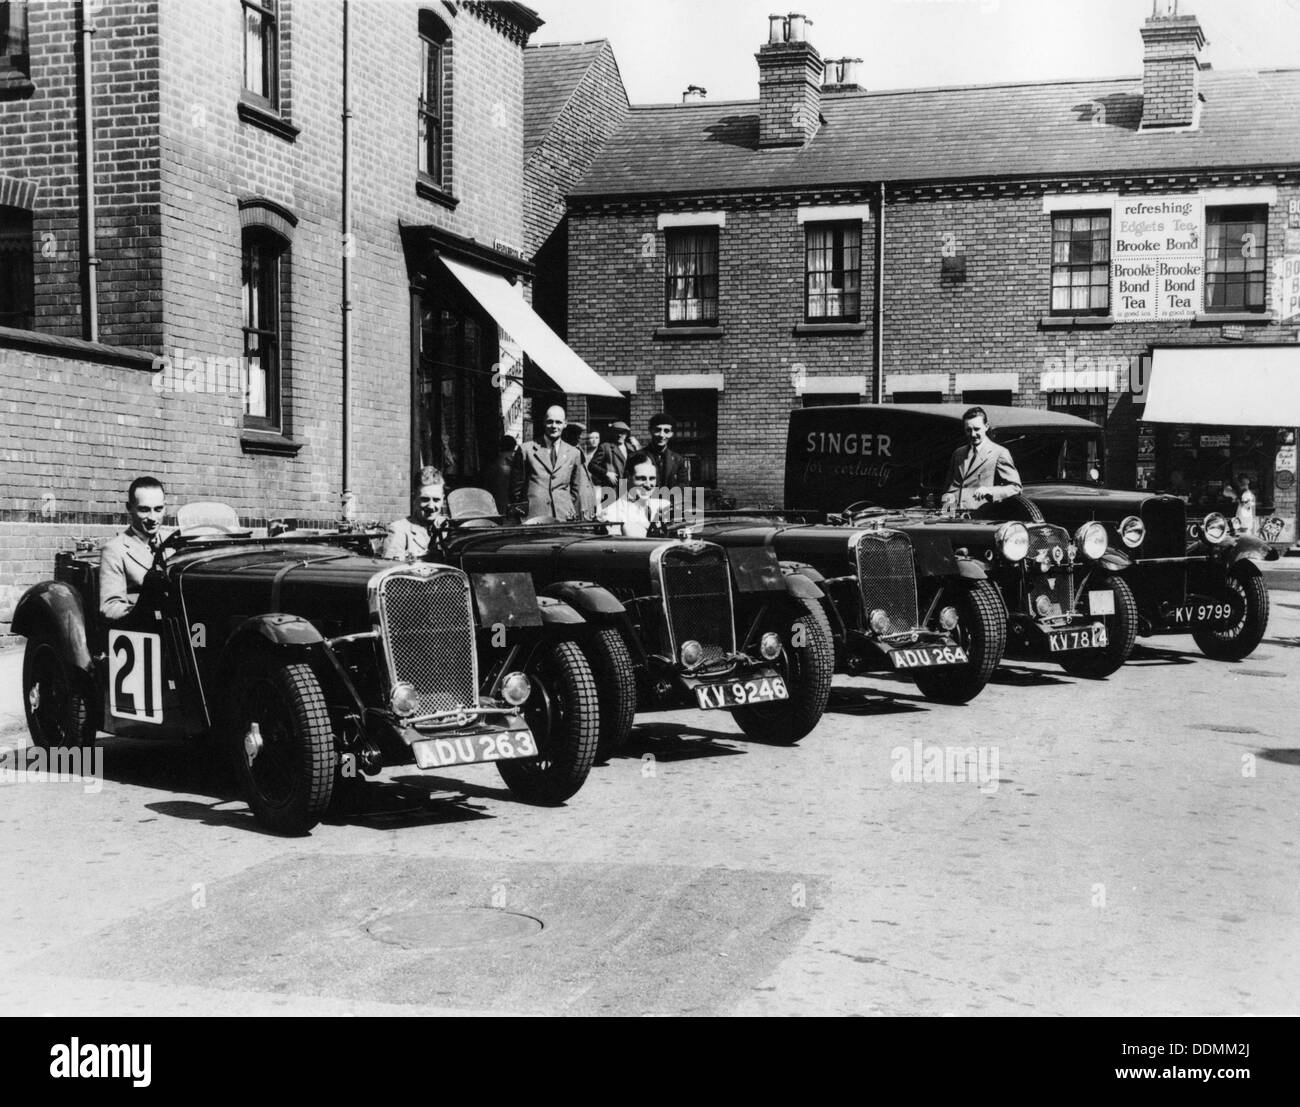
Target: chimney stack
[
  {"x": 842, "y": 75},
  {"x": 789, "y": 83},
  {"x": 694, "y": 92},
  {"x": 1171, "y": 67}
]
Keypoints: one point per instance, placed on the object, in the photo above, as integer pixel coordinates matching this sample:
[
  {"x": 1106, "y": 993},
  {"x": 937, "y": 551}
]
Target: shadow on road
[
  {"x": 864, "y": 702},
  {"x": 677, "y": 742},
  {"x": 1017, "y": 676},
  {"x": 1157, "y": 655},
  {"x": 1281, "y": 757},
  {"x": 1285, "y": 643}
]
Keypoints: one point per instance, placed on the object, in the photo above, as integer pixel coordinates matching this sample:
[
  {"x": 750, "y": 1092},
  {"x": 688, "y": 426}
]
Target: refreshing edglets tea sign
[{"x": 1157, "y": 256}]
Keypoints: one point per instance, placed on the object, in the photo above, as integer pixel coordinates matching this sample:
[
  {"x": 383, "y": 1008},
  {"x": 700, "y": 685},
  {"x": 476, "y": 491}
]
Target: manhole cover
[{"x": 452, "y": 927}]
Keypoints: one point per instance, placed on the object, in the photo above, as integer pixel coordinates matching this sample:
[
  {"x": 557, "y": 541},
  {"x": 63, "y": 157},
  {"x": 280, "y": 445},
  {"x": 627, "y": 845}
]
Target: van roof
[{"x": 1001, "y": 416}]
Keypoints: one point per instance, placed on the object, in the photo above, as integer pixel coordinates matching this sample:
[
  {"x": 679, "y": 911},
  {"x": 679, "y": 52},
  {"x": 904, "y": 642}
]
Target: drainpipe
[
  {"x": 349, "y": 248},
  {"x": 90, "y": 304},
  {"x": 878, "y": 324}
]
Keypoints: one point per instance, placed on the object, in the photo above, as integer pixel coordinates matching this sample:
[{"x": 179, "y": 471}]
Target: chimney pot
[
  {"x": 796, "y": 23},
  {"x": 776, "y": 29}
]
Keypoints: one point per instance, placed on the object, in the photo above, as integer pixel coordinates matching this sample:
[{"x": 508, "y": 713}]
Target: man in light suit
[
  {"x": 551, "y": 476},
  {"x": 128, "y": 556},
  {"x": 409, "y": 539},
  {"x": 981, "y": 471}
]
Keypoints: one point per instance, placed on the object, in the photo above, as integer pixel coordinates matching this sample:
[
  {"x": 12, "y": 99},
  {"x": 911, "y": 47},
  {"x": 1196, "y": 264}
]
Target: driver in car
[
  {"x": 637, "y": 510},
  {"x": 128, "y": 556},
  {"x": 409, "y": 539},
  {"x": 981, "y": 471}
]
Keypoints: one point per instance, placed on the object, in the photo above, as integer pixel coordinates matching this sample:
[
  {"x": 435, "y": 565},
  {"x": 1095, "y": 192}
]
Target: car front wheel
[
  {"x": 563, "y": 713},
  {"x": 56, "y": 697},
  {"x": 282, "y": 742},
  {"x": 982, "y": 632},
  {"x": 1247, "y": 594},
  {"x": 615, "y": 677},
  {"x": 1121, "y": 633},
  {"x": 807, "y": 664}
]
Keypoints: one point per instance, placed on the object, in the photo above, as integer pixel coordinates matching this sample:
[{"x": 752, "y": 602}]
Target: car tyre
[
  {"x": 57, "y": 698},
  {"x": 1121, "y": 633},
  {"x": 563, "y": 713},
  {"x": 615, "y": 677},
  {"x": 807, "y": 671},
  {"x": 289, "y": 780},
  {"x": 1244, "y": 589},
  {"x": 982, "y": 633}
]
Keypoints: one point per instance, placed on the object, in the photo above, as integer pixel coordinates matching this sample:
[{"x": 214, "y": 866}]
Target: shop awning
[
  {"x": 1230, "y": 386},
  {"x": 502, "y": 300}
]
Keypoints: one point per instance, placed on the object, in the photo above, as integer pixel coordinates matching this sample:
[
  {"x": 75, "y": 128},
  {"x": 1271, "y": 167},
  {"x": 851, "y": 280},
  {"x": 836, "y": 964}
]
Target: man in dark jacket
[
  {"x": 671, "y": 467},
  {"x": 495, "y": 475},
  {"x": 608, "y": 466}
]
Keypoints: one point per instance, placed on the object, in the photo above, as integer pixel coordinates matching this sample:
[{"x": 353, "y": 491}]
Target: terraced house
[
  {"x": 1127, "y": 250},
  {"x": 268, "y": 250}
]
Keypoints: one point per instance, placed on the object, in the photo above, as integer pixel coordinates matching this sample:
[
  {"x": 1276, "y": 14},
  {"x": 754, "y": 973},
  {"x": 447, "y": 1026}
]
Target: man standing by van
[{"x": 981, "y": 471}]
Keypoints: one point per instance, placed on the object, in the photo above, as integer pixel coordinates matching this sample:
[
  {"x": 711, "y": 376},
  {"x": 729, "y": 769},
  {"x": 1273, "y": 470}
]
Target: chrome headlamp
[
  {"x": 1091, "y": 539},
  {"x": 1132, "y": 531},
  {"x": 770, "y": 646},
  {"x": 515, "y": 688},
  {"x": 691, "y": 654},
  {"x": 1214, "y": 527},
  {"x": 1012, "y": 540},
  {"x": 879, "y": 622},
  {"x": 404, "y": 699}
]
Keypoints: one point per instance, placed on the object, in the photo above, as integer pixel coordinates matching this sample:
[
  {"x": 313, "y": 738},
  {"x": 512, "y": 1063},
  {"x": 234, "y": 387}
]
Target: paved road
[{"x": 1132, "y": 849}]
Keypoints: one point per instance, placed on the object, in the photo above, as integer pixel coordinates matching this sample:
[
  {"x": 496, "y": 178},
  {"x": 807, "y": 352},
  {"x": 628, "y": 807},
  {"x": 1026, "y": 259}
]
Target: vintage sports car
[
  {"x": 668, "y": 623},
  {"x": 310, "y": 661},
  {"x": 1185, "y": 575},
  {"x": 1065, "y": 597},
  {"x": 922, "y": 612}
]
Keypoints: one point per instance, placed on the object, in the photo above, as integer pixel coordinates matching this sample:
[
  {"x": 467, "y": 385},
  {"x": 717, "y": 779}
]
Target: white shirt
[{"x": 635, "y": 517}]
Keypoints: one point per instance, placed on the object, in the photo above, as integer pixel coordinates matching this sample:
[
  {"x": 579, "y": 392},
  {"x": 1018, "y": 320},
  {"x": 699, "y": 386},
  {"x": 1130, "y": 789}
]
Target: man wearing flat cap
[{"x": 609, "y": 464}]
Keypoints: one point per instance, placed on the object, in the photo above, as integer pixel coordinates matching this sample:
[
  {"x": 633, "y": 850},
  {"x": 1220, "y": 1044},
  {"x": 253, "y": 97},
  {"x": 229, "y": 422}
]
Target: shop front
[{"x": 1219, "y": 421}]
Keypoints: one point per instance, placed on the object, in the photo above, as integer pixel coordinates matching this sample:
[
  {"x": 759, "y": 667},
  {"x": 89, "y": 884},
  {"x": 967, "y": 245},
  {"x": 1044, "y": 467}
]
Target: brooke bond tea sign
[{"x": 1157, "y": 258}]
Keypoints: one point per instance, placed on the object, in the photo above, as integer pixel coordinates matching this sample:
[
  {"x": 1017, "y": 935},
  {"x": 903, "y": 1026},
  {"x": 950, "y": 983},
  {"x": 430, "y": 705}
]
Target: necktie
[{"x": 552, "y": 455}]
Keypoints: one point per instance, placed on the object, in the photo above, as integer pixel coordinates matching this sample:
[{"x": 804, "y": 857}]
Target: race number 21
[{"x": 135, "y": 676}]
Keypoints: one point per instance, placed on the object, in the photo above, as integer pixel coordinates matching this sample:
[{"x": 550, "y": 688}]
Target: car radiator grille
[
  {"x": 697, "y": 600},
  {"x": 1166, "y": 523},
  {"x": 428, "y": 632},
  {"x": 887, "y": 578},
  {"x": 1057, "y": 584}
]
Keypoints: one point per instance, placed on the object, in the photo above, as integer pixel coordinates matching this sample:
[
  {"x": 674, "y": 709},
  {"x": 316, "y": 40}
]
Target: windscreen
[{"x": 1050, "y": 455}]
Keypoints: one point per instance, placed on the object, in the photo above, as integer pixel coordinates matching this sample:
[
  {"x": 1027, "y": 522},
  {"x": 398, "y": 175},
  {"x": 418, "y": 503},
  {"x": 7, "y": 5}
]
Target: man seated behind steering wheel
[{"x": 635, "y": 512}]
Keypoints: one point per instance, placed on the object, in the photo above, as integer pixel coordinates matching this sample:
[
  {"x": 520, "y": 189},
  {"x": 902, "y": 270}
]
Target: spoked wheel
[
  {"x": 282, "y": 742},
  {"x": 808, "y": 665},
  {"x": 563, "y": 713},
  {"x": 982, "y": 633},
  {"x": 1121, "y": 633},
  {"x": 56, "y": 697},
  {"x": 1247, "y": 595}
]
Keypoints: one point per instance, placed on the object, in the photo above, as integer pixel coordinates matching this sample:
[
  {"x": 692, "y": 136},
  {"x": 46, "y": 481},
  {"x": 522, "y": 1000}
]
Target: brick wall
[
  {"x": 174, "y": 159},
  {"x": 988, "y": 322},
  {"x": 616, "y": 294}
]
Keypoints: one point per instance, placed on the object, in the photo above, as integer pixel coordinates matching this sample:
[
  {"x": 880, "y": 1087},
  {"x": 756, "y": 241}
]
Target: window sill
[
  {"x": 831, "y": 328},
  {"x": 15, "y": 84},
  {"x": 266, "y": 118},
  {"x": 255, "y": 440},
  {"x": 687, "y": 332},
  {"x": 425, "y": 187},
  {"x": 1215, "y": 318},
  {"x": 1048, "y": 322}
]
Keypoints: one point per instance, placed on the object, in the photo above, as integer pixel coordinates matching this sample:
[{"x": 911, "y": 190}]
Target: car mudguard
[
  {"x": 1248, "y": 548},
  {"x": 282, "y": 631},
  {"x": 590, "y": 600},
  {"x": 1115, "y": 560},
  {"x": 797, "y": 584},
  {"x": 792, "y": 567},
  {"x": 755, "y": 568},
  {"x": 971, "y": 568},
  {"x": 557, "y": 612},
  {"x": 505, "y": 599},
  {"x": 56, "y": 608}
]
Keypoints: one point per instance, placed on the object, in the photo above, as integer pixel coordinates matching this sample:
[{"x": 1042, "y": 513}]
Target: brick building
[
  {"x": 208, "y": 284},
  {"x": 1060, "y": 244}
]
